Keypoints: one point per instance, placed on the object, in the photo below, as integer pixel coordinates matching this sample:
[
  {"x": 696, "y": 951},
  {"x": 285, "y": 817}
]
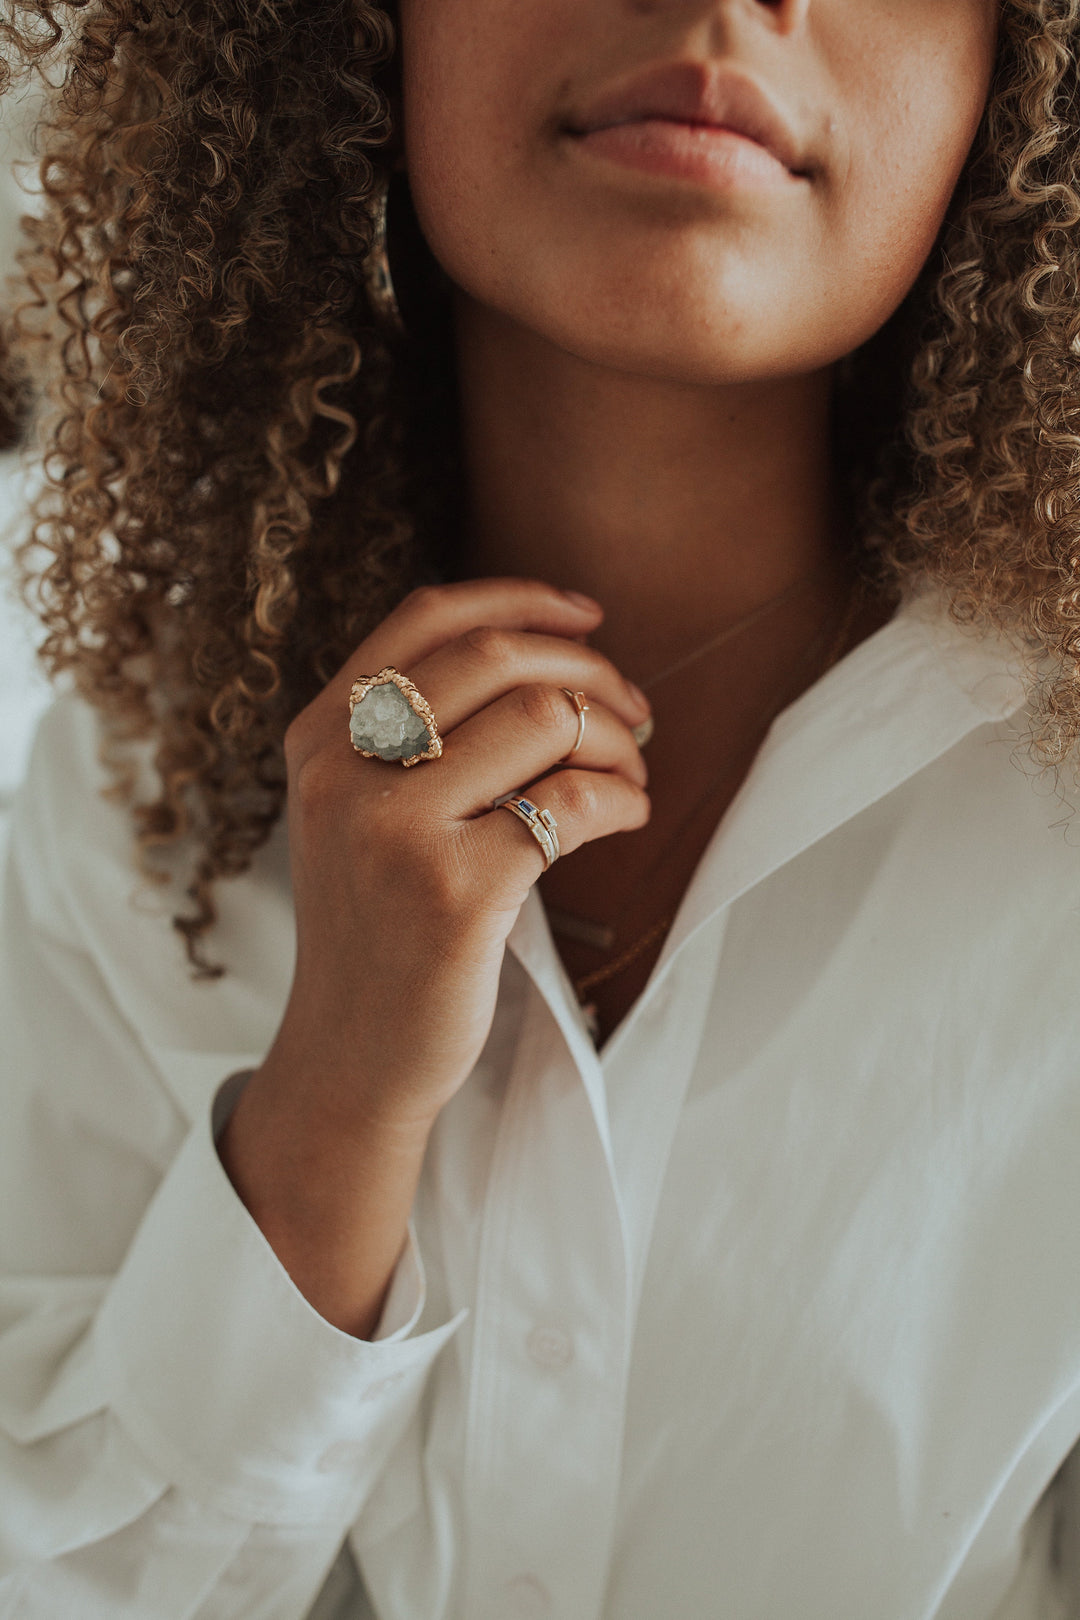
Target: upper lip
[{"x": 697, "y": 93}]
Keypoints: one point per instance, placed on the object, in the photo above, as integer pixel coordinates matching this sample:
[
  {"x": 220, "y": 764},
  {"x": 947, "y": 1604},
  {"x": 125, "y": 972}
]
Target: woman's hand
[{"x": 406, "y": 884}]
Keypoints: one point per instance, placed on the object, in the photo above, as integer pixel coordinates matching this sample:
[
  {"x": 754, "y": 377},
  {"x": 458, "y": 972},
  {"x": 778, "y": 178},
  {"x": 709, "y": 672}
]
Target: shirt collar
[{"x": 897, "y": 702}]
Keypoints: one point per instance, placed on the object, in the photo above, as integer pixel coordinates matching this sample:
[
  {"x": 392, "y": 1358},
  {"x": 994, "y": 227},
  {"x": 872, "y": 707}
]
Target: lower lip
[{"x": 714, "y": 157}]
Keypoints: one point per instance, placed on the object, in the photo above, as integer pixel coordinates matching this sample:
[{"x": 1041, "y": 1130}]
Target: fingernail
[
  {"x": 638, "y": 695},
  {"x": 580, "y": 600}
]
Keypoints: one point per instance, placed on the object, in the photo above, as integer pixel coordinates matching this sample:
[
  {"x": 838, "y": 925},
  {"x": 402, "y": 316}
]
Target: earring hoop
[{"x": 377, "y": 277}]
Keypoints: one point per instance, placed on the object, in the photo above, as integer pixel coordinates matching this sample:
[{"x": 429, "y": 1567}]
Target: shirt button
[
  {"x": 527, "y": 1598},
  {"x": 550, "y": 1347},
  {"x": 342, "y": 1454}
]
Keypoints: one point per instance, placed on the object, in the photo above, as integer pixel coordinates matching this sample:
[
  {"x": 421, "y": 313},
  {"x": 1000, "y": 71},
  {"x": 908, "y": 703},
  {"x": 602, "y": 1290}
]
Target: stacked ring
[
  {"x": 541, "y": 823},
  {"x": 578, "y": 700}
]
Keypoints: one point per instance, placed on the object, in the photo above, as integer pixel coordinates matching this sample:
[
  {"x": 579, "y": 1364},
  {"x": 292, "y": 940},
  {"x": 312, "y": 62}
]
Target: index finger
[{"x": 435, "y": 614}]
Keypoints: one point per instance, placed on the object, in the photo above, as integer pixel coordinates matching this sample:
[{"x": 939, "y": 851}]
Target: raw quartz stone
[{"x": 385, "y": 722}]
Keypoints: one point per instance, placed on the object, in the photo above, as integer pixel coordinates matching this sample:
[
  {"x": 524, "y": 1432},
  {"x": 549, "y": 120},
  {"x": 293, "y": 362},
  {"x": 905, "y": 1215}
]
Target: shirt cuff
[{"x": 228, "y": 1379}]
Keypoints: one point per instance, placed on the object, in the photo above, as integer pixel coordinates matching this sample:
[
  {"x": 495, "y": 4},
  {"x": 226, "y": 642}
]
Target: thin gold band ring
[{"x": 578, "y": 700}]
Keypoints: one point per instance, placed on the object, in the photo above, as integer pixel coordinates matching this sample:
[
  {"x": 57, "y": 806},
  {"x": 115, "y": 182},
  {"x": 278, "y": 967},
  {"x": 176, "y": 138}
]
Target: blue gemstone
[{"x": 530, "y": 809}]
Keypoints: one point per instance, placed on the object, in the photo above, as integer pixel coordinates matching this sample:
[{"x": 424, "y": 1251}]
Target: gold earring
[{"x": 377, "y": 277}]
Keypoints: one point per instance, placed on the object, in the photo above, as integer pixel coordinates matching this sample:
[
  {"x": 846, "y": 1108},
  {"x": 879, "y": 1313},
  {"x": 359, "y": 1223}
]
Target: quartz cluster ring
[
  {"x": 578, "y": 700},
  {"x": 388, "y": 719},
  {"x": 541, "y": 823}
]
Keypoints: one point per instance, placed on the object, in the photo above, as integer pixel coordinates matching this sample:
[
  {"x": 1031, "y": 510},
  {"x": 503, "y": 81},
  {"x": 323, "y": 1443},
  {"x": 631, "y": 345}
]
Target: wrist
[
  {"x": 332, "y": 1199},
  {"x": 301, "y": 1129}
]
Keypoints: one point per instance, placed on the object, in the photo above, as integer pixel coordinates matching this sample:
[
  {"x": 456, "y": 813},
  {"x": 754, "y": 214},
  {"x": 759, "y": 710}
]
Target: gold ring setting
[
  {"x": 578, "y": 700},
  {"x": 388, "y": 719},
  {"x": 541, "y": 823}
]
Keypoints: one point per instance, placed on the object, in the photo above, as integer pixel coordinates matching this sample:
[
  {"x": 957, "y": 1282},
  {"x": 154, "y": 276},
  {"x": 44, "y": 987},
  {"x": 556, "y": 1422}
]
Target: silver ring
[
  {"x": 578, "y": 700},
  {"x": 541, "y": 823}
]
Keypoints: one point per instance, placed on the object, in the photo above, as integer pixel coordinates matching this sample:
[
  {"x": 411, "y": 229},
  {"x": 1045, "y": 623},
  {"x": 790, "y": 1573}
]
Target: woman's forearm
[{"x": 332, "y": 1197}]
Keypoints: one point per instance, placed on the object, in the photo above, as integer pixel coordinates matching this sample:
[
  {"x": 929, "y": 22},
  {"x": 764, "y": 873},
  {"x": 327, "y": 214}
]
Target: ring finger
[
  {"x": 520, "y": 736},
  {"x": 584, "y": 805}
]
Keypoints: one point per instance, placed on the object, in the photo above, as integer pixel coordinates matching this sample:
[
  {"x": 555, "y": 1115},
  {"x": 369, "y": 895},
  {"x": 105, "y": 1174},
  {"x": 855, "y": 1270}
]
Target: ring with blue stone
[
  {"x": 388, "y": 719},
  {"x": 541, "y": 823}
]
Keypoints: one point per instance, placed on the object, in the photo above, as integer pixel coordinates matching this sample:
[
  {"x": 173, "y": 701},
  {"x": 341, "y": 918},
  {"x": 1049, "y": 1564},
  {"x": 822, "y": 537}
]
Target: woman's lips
[{"x": 706, "y": 153}]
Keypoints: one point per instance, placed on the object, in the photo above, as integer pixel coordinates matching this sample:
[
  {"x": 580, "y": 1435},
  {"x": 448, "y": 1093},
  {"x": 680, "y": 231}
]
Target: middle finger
[{"x": 475, "y": 669}]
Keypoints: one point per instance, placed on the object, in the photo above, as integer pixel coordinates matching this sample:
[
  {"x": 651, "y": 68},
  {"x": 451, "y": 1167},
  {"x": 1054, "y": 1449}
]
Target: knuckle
[
  {"x": 580, "y": 794},
  {"x": 424, "y": 598},
  {"x": 486, "y": 643},
  {"x": 312, "y": 781},
  {"x": 543, "y": 706},
  {"x": 292, "y": 743}
]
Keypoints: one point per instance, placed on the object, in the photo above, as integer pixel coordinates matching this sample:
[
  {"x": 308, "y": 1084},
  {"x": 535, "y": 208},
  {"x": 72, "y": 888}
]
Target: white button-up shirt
[{"x": 769, "y": 1310}]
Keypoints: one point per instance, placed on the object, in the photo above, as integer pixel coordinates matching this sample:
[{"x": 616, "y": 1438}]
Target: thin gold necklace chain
[
  {"x": 656, "y": 930},
  {"x": 731, "y": 630}
]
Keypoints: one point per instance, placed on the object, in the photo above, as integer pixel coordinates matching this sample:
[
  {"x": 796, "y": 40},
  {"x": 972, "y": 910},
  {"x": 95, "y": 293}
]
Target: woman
[{"x": 582, "y": 1172}]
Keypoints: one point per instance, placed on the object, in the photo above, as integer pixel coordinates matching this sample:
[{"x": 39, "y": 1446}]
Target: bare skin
[
  {"x": 646, "y": 367},
  {"x": 652, "y": 553},
  {"x": 406, "y": 884}
]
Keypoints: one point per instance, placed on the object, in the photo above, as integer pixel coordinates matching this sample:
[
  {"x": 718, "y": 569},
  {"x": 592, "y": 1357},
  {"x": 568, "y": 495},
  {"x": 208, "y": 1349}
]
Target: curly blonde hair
[{"x": 247, "y": 469}]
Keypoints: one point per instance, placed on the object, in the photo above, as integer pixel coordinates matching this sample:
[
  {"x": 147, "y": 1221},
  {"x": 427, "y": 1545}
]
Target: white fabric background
[
  {"x": 805, "y": 1304},
  {"x": 23, "y": 689}
]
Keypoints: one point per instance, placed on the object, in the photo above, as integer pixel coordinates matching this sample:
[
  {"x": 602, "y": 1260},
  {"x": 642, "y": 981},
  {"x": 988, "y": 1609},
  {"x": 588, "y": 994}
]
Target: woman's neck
[{"x": 679, "y": 507}]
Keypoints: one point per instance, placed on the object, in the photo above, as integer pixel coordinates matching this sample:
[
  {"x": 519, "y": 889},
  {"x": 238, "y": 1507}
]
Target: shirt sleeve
[{"x": 181, "y": 1433}]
